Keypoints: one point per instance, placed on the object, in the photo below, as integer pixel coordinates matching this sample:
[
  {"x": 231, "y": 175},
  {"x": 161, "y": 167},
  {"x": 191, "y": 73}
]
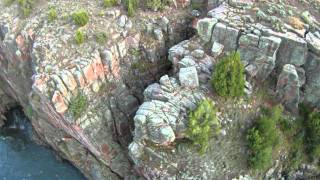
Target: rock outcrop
[
  {"x": 288, "y": 86},
  {"x": 44, "y": 70}
]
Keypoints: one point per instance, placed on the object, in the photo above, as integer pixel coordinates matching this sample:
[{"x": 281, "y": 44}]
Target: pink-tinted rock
[{"x": 59, "y": 103}]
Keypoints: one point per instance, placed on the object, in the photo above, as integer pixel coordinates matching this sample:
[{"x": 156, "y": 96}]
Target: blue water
[{"x": 22, "y": 159}]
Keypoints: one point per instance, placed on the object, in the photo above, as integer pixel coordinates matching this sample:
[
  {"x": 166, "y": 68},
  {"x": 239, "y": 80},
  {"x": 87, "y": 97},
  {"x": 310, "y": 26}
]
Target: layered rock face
[{"x": 43, "y": 70}]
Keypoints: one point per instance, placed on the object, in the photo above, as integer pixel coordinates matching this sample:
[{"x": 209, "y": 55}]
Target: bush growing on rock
[
  {"x": 228, "y": 77},
  {"x": 26, "y": 6},
  {"x": 200, "y": 124},
  {"x": 313, "y": 135},
  {"x": 156, "y": 4},
  {"x": 264, "y": 137},
  {"x": 80, "y": 17},
  {"x": 52, "y": 14},
  {"x": 79, "y": 37},
  {"x": 78, "y": 105},
  {"x": 101, "y": 37},
  {"x": 109, "y": 3},
  {"x": 131, "y": 6}
]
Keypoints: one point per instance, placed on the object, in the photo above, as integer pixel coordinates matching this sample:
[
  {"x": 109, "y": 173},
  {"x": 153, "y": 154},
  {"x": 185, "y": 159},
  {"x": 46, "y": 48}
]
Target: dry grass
[{"x": 296, "y": 22}]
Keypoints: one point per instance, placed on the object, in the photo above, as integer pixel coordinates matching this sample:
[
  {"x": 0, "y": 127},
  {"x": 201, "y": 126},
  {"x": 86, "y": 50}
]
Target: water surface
[{"x": 22, "y": 159}]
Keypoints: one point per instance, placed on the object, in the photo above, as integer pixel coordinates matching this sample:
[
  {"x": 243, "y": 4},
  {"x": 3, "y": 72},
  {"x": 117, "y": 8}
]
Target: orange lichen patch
[
  {"x": 59, "y": 103},
  {"x": 296, "y": 22}
]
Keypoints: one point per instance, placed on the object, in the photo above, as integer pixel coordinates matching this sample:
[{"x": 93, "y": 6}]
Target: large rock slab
[
  {"x": 312, "y": 86},
  {"x": 288, "y": 87},
  {"x": 258, "y": 54}
]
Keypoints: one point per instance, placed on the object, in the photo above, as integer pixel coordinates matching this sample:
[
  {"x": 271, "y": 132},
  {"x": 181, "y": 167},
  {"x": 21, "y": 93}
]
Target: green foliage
[
  {"x": 131, "y": 6},
  {"x": 200, "y": 124},
  {"x": 109, "y": 3},
  {"x": 228, "y": 77},
  {"x": 156, "y": 4},
  {"x": 29, "y": 111},
  {"x": 197, "y": 5},
  {"x": 52, "y": 14},
  {"x": 78, "y": 105},
  {"x": 8, "y": 2},
  {"x": 313, "y": 135},
  {"x": 79, "y": 37},
  {"x": 26, "y": 6},
  {"x": 101, "y": 37},
  {"x": 80, "y": 17},
  {"x": 264, "y": 137}
]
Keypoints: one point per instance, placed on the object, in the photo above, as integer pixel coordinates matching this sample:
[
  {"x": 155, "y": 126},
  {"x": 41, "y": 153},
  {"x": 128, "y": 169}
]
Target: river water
[{"x": 22, "y": 159}]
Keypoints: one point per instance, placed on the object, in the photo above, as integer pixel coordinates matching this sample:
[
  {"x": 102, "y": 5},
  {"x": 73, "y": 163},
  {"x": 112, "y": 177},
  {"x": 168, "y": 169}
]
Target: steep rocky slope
[
  {"x": 44, "y": 70},
  {"x": 83, "y": 99}
]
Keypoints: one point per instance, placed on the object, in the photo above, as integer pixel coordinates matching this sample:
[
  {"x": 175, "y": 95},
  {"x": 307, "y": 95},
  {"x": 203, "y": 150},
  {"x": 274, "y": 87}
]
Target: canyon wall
[{"x": 44, "y": 71}]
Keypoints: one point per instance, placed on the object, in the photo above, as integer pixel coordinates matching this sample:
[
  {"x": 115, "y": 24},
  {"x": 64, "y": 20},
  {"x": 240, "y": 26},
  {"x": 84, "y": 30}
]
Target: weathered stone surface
[
  {"x": 258, "y": 54},
  {"x": 227, "y": 36},
  {"x": 313, "y": 43},
  {"x": 188, "y": 77},
  {"x": 288, "y": 86},
  {"x": 293, "y": 49},
  {"x": 312, "y": 86},
  {"x": 204, "y": 28}
]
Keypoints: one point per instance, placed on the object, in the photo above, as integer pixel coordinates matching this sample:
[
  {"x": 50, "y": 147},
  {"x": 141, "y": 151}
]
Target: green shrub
[
  {"x": 109, "y": 3},
  {"x": 264, "y": 137},
  {"x": 52, "y": 14},
  {"x": 313, "y": 135},
  {"x": 80, "y": 17},
  {"x": 131, "y": 6},
  {"x": 200, "y": 124},
  {"x": 26, "y": 6},
  {"x": 101, "y": 37},
  {"x": 79, "y": 37},
  {"x": 78, "y": 105},
  {"x": 8, "y": 2},
  {"x": 156, "y": 4},
  {"x": 228, "y": 77}
]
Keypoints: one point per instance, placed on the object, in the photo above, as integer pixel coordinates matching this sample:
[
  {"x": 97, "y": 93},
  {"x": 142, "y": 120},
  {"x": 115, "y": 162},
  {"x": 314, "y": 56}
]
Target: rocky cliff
[
  {"x": 45, "y": 71},
  {"x": 117, "y": 107}
]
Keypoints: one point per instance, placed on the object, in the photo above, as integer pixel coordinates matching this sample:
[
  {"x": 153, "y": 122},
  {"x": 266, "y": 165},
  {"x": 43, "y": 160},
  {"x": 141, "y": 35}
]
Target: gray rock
[
  {"x": 216, "y": 49},
  {"x": 187, "y": 61},
  {"x": 227, "y": 36},
  {"x": 204, "y": 28},
  {"x": 188, "y": 77},
  {"x": 288, "y": 87},
  {"x": 258, "y": 54},
  {"x": 313, "y": 43},
  {"x": 198, "y": 53},
  {"x": 312, "y": 86},
  {"x": 158, "y": 34}
]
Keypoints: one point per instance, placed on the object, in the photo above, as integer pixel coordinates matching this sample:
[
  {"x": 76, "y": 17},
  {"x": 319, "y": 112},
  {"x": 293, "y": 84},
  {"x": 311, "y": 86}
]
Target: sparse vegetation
[
  {"x": 78, "y": 105},
  {"x": 201, "y": 123},
  {"x": 79, "y": 37},
  {"x": 263, "y": 138},
  {"x": 109, "y": 3},
  {"x": 8, "y": 2},
  {"x": 228, "y": 77},
  {"x": 80, "y": 17},
  {"x": 101, "y": 37},
  {"x": 52, "y": 14}
]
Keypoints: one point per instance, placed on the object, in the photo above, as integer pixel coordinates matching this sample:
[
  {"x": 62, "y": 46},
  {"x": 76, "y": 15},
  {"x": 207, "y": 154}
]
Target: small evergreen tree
[
  {"x": 228, "y": 77},
  {"x": 132, "y": 6},
  {"x": 79, "y": 37},
  {"x": 80, "y": 17},
  {"x": 263, "y": 137},
  {"x": 200, "y": 124}
]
